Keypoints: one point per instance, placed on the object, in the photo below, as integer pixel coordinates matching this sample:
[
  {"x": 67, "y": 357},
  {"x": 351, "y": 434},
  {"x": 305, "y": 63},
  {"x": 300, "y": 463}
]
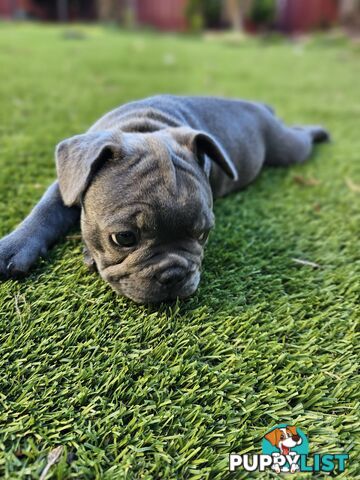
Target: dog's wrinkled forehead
[
  {"x": 156, "y": 183},
  {"x": 80, "y": 157}
]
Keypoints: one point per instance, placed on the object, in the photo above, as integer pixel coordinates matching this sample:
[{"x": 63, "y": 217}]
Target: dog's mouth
[
  {"x": 149, "y": 289},
  {"x": 182, "y": 290},
  {"x": 285, "y": 450},
  {"x": 151, "y": 297},
  {"x": 290, "y": 443}
]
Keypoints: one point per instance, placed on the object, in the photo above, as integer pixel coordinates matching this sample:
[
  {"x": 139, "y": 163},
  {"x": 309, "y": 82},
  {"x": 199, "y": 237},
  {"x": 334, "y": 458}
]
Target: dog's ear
[
  {"x": 273, "y": 437},
  {"x": 202, "y": 143},
  {"x": 292, "y": 430},
  {"x": 77, "y": 159}
]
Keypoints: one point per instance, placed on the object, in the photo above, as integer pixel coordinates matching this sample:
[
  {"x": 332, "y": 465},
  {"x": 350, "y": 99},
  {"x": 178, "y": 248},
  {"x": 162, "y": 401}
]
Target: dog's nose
[
  {"x": 296, "y": 438},
  {"x": 170, "y": 276}
]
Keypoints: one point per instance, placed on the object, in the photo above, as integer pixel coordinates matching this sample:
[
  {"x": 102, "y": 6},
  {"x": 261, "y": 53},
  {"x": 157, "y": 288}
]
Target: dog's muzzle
[{"x": 164, "y": 277}]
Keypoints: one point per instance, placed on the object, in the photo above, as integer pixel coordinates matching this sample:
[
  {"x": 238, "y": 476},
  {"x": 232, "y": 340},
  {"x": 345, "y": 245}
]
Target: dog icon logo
[
  {"x": 285, "y": 441},
  {"x": 285, "y": 449}
]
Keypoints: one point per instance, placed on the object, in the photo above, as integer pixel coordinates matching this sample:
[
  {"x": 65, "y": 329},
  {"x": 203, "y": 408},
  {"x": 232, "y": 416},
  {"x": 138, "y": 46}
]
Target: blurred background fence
[{"x": 289, "y": 16}]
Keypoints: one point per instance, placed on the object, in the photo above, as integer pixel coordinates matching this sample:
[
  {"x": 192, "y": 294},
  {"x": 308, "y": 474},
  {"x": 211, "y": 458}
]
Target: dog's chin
[{"x": 145, "y": 291}]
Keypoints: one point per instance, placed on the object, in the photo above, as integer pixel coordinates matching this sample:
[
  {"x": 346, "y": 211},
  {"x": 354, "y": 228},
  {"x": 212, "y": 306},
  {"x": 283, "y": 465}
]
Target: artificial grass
[{"x": 168, "y": 392}]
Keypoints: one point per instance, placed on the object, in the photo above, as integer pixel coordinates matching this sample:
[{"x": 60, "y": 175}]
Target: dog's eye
[{"x": 124, "y": 239}]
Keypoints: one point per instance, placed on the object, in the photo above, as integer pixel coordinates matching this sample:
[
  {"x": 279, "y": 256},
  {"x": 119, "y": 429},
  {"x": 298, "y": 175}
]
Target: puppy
[
  {"x": 284, "y": 439},
  {"x": 142, "y": 181}
]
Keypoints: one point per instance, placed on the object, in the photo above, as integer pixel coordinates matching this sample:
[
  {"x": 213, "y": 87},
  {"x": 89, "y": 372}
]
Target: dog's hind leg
[
  {"x": 290, "y": 145},
  {"x": 47, "y": 222}
]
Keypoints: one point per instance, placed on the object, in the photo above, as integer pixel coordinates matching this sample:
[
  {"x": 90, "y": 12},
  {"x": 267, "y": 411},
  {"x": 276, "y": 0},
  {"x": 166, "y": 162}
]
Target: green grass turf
[{"x": 143, "y": 392}]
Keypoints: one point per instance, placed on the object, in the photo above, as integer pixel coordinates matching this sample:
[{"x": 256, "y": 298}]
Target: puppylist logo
[{"x": 285, "y": 449}]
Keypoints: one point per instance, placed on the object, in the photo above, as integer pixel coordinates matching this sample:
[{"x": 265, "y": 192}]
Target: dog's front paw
[
  {"x": 276, "y": 468},
  {"x": 18, "y": 252}
]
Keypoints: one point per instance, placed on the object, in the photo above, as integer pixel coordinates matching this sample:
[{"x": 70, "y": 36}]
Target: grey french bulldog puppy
[{"x": 142, "y": 180}]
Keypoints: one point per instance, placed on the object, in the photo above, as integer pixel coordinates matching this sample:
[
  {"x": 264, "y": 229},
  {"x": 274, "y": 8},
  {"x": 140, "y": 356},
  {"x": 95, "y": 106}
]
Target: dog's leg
[
  {"x": 290, "y": 145},
  {"x": 47, "y": 222}
]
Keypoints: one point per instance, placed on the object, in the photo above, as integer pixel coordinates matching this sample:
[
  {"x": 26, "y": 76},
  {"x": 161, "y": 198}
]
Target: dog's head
[
  {"x": 146, "y": 206},
  {"x": 284, "y": 438}
]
